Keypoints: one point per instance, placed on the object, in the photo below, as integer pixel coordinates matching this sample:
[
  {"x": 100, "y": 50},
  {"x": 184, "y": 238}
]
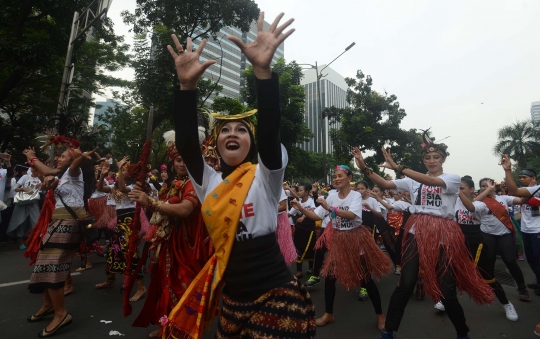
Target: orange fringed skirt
[
  {"x": 431, "y": 233},
  {"x": 353, "y": 256}
]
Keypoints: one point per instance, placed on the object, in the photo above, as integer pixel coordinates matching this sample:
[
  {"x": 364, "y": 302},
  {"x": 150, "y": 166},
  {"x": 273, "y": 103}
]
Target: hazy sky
[{"x": 442, "y": 59}]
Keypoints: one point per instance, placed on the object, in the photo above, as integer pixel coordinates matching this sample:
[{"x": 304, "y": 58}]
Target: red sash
[{"x": 500, "y": 212}]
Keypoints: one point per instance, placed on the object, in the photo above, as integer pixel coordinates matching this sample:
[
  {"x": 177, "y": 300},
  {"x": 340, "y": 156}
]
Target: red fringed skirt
[
  {"x": 108, "y": 218},
  {"x": 431, "y": 233},
  {"x": 353, "y": 256},
  {"x": 97, "y": 206}
]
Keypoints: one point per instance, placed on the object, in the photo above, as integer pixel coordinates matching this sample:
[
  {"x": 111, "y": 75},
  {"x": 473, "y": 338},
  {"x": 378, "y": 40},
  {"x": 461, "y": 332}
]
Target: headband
[
  {"x": 248, "y": 118},
  {"x": 344, "y": 168},
  {"x": 74, "y": 153},
  {"x": 527, "y": 173},
  {"x": 429, "y": 146}
]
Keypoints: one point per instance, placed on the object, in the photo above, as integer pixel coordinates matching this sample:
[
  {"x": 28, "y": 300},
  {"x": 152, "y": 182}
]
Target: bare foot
[
  {"x": 68, "y": 289},
  {"x": 381, "y": 319},
  {"x": 80, "y": 269},
  {"x": 327, "y": 318},
  {"x": 138, "y": 295},
  {"x": 108, "y": 283},
  {"x": 154, "y": 334}
]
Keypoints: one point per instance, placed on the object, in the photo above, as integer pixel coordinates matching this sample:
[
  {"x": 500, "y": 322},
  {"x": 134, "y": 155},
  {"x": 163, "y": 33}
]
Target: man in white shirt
[{"x": 5, "y": 172}]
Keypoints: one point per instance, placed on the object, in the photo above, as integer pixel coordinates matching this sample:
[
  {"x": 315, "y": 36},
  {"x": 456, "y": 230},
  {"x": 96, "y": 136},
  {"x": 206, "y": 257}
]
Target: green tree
[
  {"x": 33, "y": 39},
  {"x": 153, "y": 23},
  {"x": 229, "y": 105},
  {"x": 519, "y": 140},
  {"x": 292, "y": 98},
  {"x": 370, "y": 122}
]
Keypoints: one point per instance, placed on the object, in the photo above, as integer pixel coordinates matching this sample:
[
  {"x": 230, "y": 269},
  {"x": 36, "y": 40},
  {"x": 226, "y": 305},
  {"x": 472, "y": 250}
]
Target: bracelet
[
  {"x": 401, "y": 168},
  {"x": 367, "y": 171},
  {"x": 33, "y": 160}
]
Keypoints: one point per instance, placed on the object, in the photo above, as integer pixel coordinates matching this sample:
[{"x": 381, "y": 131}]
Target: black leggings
[
  {"x": 330, "y": 294},
  {"x": 507, "y": 249},
  {"x": 407, "y": 282},
  {"x": 531, "y": 245}
]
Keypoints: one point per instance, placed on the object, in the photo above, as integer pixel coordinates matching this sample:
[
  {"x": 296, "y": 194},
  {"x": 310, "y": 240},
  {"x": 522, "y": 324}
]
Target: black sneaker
[
  {"x": 524, "y": 294},
  {"x": 362, "y": 294},
  {"x": 313, "y": 280},
  {"x": 537, "y": 291}
]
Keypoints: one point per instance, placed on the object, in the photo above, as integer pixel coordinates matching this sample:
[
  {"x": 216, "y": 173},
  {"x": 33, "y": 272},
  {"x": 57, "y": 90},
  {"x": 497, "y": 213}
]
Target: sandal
[
  {"x": 44, "y": 333},
  {"x": 37, "y": 317}
]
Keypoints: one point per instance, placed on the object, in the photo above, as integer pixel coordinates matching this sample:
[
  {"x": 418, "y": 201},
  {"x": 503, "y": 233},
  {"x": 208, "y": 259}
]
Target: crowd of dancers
[{"x": 219, "y": 224}]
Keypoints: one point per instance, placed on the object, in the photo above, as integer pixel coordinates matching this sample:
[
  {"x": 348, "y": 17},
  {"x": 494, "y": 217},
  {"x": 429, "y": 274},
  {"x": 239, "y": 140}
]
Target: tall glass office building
[
  {"x": 333, "y": 93},
  {"x": 230, "y": 62}
]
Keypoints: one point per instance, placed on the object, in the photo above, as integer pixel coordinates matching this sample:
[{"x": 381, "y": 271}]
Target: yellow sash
[{"x": 221, "y": 212}]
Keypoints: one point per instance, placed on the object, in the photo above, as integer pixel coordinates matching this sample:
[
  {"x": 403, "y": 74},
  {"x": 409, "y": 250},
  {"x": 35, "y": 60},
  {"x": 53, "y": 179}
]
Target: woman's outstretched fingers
[
  {"x": 281, "y": 28},
  {"x": 274, "y": 24},
  {"x": 177, "y": 43},
  {"x": 260, "y": 22}
]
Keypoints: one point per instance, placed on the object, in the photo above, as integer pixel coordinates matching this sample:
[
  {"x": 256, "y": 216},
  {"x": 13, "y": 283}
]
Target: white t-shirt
[
  {"x": 465, "y": 217},
  {"x": 71, "y": 189},
  {"x": 98, "y": 194},
  {"x": 490, "y": 223},
  {"x": 352, "y": 202},
  {"x": 3, "y": 180},
  {"x": 125, "y": 202},
  {"x": 400, "y": 205},
  {"x": 433, "y": 200},
  {"x": 308, "y": 204},
  {"x": 384, "y": 211},
  {"x": 26, "y": 180},
  {"x": 529, "y": 222},
  {"x": 281, "y": 198},
  {"x": 259, "y": 213},
  {"x": 371, "y": 202}
]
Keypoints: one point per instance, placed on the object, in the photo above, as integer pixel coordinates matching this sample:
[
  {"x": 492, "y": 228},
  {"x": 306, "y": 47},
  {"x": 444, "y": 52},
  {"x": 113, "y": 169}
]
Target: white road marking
[{"x": 27, "y": 281}]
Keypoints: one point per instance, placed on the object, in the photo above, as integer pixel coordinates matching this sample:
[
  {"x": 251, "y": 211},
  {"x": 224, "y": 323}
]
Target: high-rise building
[
  {"x": 535, "y": 111},
  {"x": 333, "y": 93},
  {"x": 99, "y": 113},
  {"x": 230, "y": 62}
]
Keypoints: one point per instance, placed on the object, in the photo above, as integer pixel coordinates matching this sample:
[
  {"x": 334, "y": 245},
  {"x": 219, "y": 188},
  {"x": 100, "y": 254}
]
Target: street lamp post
[{"x": 320, "y": 104}]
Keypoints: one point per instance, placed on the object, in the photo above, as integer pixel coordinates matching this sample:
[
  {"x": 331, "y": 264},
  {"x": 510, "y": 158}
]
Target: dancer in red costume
[{"x": 180, "y": 245}]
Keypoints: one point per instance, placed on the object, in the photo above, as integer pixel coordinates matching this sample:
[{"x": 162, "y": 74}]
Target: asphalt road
[{"x": 354, "y": 319}]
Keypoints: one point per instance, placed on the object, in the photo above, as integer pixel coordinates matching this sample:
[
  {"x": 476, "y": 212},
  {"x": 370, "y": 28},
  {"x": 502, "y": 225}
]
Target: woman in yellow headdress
[{"x": 261, "y": 298}]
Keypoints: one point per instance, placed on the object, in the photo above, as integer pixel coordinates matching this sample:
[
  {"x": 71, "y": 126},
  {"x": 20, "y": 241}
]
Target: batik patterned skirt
[
  {"x": 284, "y": 312},
  {"x": 54, "y": 260},
  {"x": 116, "y": 254}
]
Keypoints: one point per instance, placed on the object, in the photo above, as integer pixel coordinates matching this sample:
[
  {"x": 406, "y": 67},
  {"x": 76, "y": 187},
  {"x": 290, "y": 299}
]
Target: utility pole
[{"x": 81, "y": 24}]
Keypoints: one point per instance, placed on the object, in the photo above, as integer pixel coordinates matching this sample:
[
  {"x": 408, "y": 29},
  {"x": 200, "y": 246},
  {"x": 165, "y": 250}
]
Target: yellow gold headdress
[{"x": 247, "y": 118}]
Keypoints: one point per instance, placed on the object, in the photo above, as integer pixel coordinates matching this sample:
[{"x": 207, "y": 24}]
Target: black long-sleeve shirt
[{"x": 268, "y": 122}]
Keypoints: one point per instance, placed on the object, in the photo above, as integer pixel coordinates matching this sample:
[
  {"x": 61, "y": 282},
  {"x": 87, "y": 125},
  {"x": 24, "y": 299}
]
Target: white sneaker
[
  {"x": 511, "y": 313},
  {"x": 397, "y": 270},
  {"x": 439, "y": 306}
]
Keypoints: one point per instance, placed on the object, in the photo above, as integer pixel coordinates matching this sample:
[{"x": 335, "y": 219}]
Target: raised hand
[
  {"x": 388, "y": 161},
  {"x": 121, "y": 163},
  {"x": 506, "y": 163},
  {"x": 296, "y": 205},
  {"x": 359, "y": 158},
  {"x": 88, "y": 155},
  {"x": 188, "y": 67},
  {"x": 29, "y": 152},
  {"x": 261, "y": 51}
]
